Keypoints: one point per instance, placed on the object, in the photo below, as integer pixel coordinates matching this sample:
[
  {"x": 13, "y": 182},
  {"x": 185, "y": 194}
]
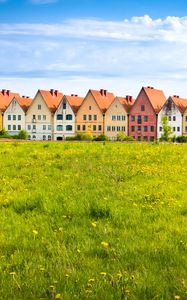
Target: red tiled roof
[
  {"x": 103, "y": 98},
  {"x": 127, "y": 102},
  {"x": 24, "y": 102},
  {"x": 181, "y": 103},
  {"x": 156, "y": 97},
  {"x": 5, "y": 99},
  {"x": 52, "y": 98},
  {"x": 75, "y": 102}
]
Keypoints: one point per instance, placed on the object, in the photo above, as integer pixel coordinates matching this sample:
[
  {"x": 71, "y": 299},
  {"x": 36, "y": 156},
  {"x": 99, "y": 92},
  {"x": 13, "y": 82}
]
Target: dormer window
[
  {"x": 39, "y": 107},
  {"x": 64, "y": 105}
]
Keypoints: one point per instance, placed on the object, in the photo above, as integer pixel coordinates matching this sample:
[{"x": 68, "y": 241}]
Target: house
[
  {"x": 14, "y": 115},
  {"x": 5, "y": 98},
  {"x": 116, "y": 116},
  {"x": 91, "y": 114},
  {"x": 64, "y": 117},
  {"x": 174, "y": 109},
  {"x": 143, "y": 114},
  {"x": 39, "y": 117}
]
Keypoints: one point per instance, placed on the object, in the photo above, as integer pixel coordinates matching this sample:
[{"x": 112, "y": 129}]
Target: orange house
[{"x": 91, "y": 114}]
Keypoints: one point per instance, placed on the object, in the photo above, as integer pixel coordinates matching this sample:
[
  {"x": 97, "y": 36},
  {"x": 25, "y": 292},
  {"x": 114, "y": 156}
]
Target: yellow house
[
  {"x": 40, "y": 115},
  {"x": 91, "y": 114},
  {"x": 6, "y": 97},
  {"x": 116, "y": 116}
]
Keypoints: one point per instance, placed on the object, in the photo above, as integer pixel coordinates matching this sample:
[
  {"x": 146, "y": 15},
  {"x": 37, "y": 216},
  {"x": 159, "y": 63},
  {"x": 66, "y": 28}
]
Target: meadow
[{"x": 93, "y": 221}]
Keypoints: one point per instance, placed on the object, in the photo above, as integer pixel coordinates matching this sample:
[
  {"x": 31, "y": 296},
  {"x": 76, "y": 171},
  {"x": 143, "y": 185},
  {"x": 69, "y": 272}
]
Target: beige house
[
  {"x": 91, "y": 114},
  {"x": 116, "y": 116},
  {"x": 39, "y": 117}
]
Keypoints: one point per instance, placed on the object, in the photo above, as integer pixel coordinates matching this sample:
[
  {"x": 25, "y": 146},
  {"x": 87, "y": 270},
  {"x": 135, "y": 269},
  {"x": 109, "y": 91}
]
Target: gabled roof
[
  {"x": 181, "y": 103},
  {"x": 52, "y": 98},
  {"x": 75, "y": 102},
  {"x": 156, "y": 98},
  {"x": 5, "y": 98},
  {"x": 103, "y": 98},
  {"x": 127, "y": 102},
  {"x": 24, "y": 102}
]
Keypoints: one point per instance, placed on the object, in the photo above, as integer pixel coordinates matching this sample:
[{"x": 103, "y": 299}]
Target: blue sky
[{"x": 73, "y": 45}]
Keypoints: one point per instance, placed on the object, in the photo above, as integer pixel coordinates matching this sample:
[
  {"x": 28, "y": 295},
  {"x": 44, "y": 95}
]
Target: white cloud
[{"x": 95, "y": 53}]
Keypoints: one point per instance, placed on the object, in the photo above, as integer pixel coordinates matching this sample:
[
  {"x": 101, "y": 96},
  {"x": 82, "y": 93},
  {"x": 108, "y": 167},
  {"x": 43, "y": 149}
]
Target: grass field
[{"x": 93, "y": 221}]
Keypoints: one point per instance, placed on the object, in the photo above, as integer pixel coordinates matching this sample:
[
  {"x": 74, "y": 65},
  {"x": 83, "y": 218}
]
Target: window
[
  {"x": 99, "y": 127},
  {"x": 123, "y": 118},
  {"x": 139, "y": 119},
  {"x": 59, "y": 117},
  {"x": 34, "y": 127},
  {"x": 83, "y": 127},
  {"x": 39, "y": 117},
  {"x": 118, "y": 118},
  {"x": 94, "y": 127},
  {"x": 49, "y": 127},
  {"x": 113, "y": 118},
  {"x": 49, "y": 137},
  {"x": 14, "y": 127},
  {"x": 95, "y": 117},
  {"x": 19, "y": 117},
  {"x": 9, "y": 117},
  {"x": 19, "y": 127},
  {"x": 64, "y": 105},
  {"x": 84, "y": 117},
  {"x": 132, "y": 118},
  {"x": 44, "y": 127},
  {"x": 39, "y": 107},
  {"x": 145, "y": 138},
  {"x": 174, "y": 118},
  {"x": 90, "y": 117},
  {"x": 59, "y": 128},
  {"x": 44, "y": 117},
  {"x": 160, "y": 128},
  {"x": 186, "y": 118},
  {"x": 14, "y": 117},
  {"x": 145, "y": 118},
  {"x": 118, "y": 128},
  {"x": 123, "y": 128},
  {"x": 29, "y": 127},
  {"x": 174, "y": 129},
  {"x": 113, "y": 128},
  {"x": 44, "y": 137},
  {"x": 185, "y": 128},
  {"x": 142, "y": 107},
  {"x": 78, "y": 127},
  {"x": 69, "y": 127},
  {"x": 132, "y": 128},
  {"x": 169, "y": 118},
  {"x": 108, "y": 128},
  {"x": 34, "y": 117},
  {"x": 90, "y": 108},
  {"x": 29, "y": 137},
  {"x": 152, "y": 128},
  {"x": 9, "y": 127},
  {"x": 34, "y": 137},
  {"x": 69, "y": 117},
  {"x": 178, "y": 129},
  {"x": 152, "y": 138},
  {"x": 139, "y": 128},
  {"x": 145, "y": 128},
  {"x": 139, "y": 138}
]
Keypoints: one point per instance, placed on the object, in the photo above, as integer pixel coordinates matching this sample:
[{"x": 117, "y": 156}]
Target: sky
[{"x": 74, "y": 45}]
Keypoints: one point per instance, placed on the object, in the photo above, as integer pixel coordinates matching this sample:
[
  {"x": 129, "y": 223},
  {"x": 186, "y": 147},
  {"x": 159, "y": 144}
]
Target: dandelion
[
  {"x": 119, "y": 275},
  {"x": 58, "y": 296},
  {"x": 78, "y": 250},
  {"x": 104, "y": 245},
  {"x": 35, "y": 232},
  {"x": 91, "y": 280},
  {"x": 67, "y": 275},
  {"x": 94, "y": 224},
  {"x": 42, "y": 269},
  {"x": 12, "y": 273},
  {"x": 177, "y": 297},
  {"x": 52, "y": 286},
  {"x": 103, "y": 273}
]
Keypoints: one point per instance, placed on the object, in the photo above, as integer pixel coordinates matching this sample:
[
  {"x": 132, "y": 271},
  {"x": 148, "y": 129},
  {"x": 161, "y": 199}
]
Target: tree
[{"x": 167, "y": 130}]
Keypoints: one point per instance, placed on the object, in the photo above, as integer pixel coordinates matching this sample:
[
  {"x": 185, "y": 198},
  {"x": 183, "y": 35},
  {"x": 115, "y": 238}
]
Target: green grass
[{"x": 60, "y": 201}]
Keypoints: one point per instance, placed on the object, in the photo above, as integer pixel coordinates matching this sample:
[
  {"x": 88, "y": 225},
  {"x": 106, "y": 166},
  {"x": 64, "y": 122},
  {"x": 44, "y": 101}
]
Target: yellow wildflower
[
  {"x": 103, "y": 273},
  {"x": 104, "y": 244},
  {"x": 58, "y": 296},
  {"x": 78, "y": 250},
  {"x": 12, "y": 273},
  {"x": 91, "y": 280},
  {"x": 35, "y": 232},
  {"x": 94, "y": 224},
  {"x": 177, "y": 297}
]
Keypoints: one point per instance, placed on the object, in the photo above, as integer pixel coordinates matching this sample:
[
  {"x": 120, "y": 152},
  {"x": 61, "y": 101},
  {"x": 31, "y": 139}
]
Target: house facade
[
  {"x": 64, "y": 117},
  {"x": 116, "y": 117},
  {"x": 39, "y": 117},
  {"x": 173, "y": 109},
  {"x": 91, "y": 114},
  {"x": 143, "y": 114},
  {"x": 14, "y": 115}
]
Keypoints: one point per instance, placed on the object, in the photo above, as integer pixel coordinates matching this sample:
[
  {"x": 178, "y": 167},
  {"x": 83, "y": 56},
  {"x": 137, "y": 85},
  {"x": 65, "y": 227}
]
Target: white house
[
  {"x": 14, "y": 115},
  {"x": 39, "y": 117},
  {"x": 64, "y": 117},
  {"x": 174, "y": 111}
]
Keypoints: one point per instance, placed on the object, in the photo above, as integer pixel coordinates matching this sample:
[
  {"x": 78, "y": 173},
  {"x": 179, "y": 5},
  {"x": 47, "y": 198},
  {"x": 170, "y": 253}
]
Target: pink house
[{"x": 143, "y": 114}]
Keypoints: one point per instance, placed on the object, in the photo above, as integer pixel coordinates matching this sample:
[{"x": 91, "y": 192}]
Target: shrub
[
  {"x": 80, "y": 137},
  {"x": 22, "y": 135},
  {"x": 101, "y": 137},
  {"x": 4, "y": 134},
  {"x": 181, "y": 139},
  {"x": 167, "y": 130}
]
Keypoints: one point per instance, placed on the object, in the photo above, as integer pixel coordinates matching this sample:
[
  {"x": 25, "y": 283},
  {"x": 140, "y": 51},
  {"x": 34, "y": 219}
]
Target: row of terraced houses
[{"x": 51, "y": 115}]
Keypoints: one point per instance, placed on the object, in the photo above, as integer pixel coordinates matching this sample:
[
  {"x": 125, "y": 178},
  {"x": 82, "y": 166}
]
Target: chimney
[
  {"x": 176, "y": 96},
  {"x": 76, "y": 95},
  {"x": 52, "y": 91},
  {"x": 23, "y": 96},
  {"x": 150, "y": 87},
  {"x": 8, "y": 92},
  {"x": 102, "y": 92},
  {"x": 3, "y": 91},
  {"x": 72, "y": 95},
  {"x": 56, "y": 92},
  {"x": 105, "y": 92}
]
